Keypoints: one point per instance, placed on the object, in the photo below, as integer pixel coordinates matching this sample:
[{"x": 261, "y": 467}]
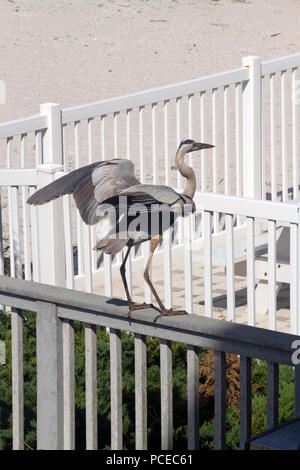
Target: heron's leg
[
  {"x": 123, "y": 275},
  {"x": 131, "y": 305},
  {"x": 164, "y": 311},
  {"x": 154, "y": 243}
]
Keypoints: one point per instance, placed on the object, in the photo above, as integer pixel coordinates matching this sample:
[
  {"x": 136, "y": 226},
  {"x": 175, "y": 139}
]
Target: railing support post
[
  {"x": 116, "y": 389},
  {"x": 252, "y": 129},
  {"x": 220, "y": 400},
  {"x": 193, "y": 397},
  {"x": 245, "y": 400},
  {"x": 140, "y": 357},
  {"x": 49, "y": 378},
  {"x": 166, "y": 385},
  {"x": 297, "y": 391},
  {"x": 272, "y": 394}
]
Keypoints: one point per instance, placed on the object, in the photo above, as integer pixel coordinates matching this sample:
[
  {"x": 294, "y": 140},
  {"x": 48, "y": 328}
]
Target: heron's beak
[{"x": 200, "y": 146}]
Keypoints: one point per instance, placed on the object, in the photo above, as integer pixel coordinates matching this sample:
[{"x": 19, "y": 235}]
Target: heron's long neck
[{"x": 188, "y": 173}]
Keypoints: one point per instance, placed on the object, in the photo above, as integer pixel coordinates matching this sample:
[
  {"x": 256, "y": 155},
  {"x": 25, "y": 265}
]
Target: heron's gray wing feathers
[
  {"x": 111, "y": 246},
  {"x": 64, "y": 185},
  {"x": 148, "y": 195},
  {"x": 141, "y": 193},
  {"x": 90, "y": 185},
  {"x": 107, "y": 180},
  {"x": 112, "y": 179}
]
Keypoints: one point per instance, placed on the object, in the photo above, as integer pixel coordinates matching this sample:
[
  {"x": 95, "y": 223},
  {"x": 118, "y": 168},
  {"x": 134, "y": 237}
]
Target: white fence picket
[
  {"x": 178, "y": 133},
  {"x": 188, "y": 267},
  {"x": 238, "y": 142},
  {"x": 215, "y": 151},
  {"x": 295, "y": 126},
  {"x": 273, "y": 139},
  {"x": 116, "y": 135},
  {"x": 190, "y": 123},
  {"x": 154, "y": 144},
  {"x": 250, "y": 271},
  {"x": 203, "y": 139},
  {"x": 68, "y": 242},
  {"x": 167, "y": 142},
  {"x": 230, "y": 268},
  {"x": 294, "y": 287},
  {"x": 226, "y": 140},
  {"x": 25, "y": 213},
  {"x": 284, "y": 135},
  {"x": 79, "y": 223},
  {"x": 207, "y": 262},
  {"x": 272, "y": 273}
]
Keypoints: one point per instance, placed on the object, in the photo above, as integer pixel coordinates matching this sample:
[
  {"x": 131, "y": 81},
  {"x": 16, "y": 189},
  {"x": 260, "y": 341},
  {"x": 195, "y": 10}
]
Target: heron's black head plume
[{"x": 186, "y": 142}]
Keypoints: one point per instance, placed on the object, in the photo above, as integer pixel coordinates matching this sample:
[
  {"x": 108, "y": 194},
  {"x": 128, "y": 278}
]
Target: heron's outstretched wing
[{"x": 90, "y": 186}]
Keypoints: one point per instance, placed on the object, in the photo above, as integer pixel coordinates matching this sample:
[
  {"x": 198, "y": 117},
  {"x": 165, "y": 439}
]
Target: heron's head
[{"x": 189, "y": 145}]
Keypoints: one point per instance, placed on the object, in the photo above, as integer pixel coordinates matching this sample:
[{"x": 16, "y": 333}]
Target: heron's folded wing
[
  {"x": 148, "y": 198},
  {"x": 141, "y": 193},
  {"x": 145, "y": 195}
]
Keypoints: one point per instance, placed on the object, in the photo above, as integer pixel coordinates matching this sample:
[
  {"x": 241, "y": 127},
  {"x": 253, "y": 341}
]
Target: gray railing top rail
[{"x": 190, "y": 329}]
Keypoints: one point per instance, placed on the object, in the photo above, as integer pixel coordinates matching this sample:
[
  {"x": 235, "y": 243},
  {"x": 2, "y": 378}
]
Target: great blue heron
[{"x": 102, "y": 186}]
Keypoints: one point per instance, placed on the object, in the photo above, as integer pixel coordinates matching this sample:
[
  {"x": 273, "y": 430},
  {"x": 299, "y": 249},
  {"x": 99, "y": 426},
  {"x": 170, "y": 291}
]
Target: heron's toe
[
  {"x": 170, "y": 312},
  {"x": 138, "y": 307}
]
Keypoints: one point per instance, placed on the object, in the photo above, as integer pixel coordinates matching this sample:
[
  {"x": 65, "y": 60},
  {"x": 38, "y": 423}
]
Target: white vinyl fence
[{"x": 251, "y": 116}]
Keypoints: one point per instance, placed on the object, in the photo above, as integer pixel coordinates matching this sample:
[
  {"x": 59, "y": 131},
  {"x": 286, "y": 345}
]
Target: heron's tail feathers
[{"x": 111, "y": 246}]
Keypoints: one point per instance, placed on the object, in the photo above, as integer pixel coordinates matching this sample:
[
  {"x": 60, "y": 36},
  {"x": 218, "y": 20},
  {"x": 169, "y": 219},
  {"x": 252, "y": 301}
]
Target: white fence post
[
  {"x": 50, "y": 222},
  {"x": 52, "y": 139},
  {"x": 50, "y": 233},
  {"x": 252, "y": 129}
]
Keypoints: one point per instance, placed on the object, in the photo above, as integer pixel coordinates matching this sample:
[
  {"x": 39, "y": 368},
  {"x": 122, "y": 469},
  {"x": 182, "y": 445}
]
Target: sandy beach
[{"x": 73, "y": 52}]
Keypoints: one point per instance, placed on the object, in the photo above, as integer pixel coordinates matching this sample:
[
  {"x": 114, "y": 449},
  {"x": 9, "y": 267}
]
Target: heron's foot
[
  {"x": 138, "y": 307},
  {"x": 170, "y": 312}
]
